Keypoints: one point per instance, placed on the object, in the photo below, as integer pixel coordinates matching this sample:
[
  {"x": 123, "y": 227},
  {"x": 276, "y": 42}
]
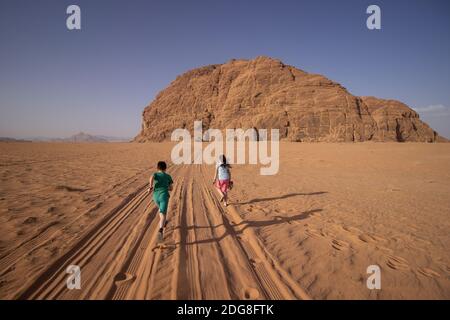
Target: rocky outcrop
[
  {"x": 265, "y": 93},
  {"x": 397, "y": 122}
]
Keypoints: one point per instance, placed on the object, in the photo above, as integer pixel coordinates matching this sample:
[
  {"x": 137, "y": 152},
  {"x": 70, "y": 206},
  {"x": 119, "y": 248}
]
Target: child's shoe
[{"x": 160, "y": 234}]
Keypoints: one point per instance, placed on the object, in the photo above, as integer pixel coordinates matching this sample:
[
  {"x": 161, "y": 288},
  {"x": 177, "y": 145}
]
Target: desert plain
[{"x": 309, "y": 232}]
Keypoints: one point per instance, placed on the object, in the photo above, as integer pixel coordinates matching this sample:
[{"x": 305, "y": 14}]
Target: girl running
[{"x": 222, "y": 179}]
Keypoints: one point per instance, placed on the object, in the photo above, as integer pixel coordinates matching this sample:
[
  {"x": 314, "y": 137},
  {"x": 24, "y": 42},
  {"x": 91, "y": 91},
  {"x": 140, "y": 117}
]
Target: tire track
[
  {"x": 177, "y": 238},
  {"x": 161, "y": 275},
  {"x": 209, "y": 252},
  {"x": 273, "y": 281},
  {"x": 51, "y": 283},
  {"x": 47, "y": 233},
  {"x": 85, "y": 248},
  {"x": 123, "y": 266},
  {"x": 251, "y": 285},
  {"x": 188, "y": 284},
  {"x": 140, "y": 272},
  {"x": 270, "y": 271},
  {"x": 215, "y": 271}
]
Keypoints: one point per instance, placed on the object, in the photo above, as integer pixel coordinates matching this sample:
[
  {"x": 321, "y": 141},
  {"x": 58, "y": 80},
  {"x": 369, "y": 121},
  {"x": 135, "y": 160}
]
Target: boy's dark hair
[{"x": 162, "y": 165}]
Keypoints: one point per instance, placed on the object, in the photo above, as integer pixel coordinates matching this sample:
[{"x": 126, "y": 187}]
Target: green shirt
[{"x": 161, "y": 181}]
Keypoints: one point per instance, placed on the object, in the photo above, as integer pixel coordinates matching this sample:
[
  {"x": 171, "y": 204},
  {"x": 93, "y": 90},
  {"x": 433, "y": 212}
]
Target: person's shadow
[
  {"x": 289, "y": 195},
  {"x": 230, "y": 230},
  {"x": 276, "y": 220}
]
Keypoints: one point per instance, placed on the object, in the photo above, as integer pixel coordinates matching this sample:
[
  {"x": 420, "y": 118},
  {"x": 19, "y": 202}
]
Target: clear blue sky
[{"x": 56, "y": 82}]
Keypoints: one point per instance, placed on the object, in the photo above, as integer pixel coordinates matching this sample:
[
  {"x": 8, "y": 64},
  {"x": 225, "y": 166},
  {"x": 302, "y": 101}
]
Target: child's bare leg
[
  {"x": 162, "y": 220},
  {"x": 225, "y": 199},
  {"x": 222, "y": 195}
]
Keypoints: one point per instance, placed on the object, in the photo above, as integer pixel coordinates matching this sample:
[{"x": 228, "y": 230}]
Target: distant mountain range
[
  {"x": 6, "y": 139},
  {"x": 80, "y": 137},
  {"x": 84, "y": 137}
]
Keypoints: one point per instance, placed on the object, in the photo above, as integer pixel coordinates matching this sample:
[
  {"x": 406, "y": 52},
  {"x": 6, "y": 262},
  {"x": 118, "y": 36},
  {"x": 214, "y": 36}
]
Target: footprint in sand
[
  {"x": 371, "y": 238},
  {"x": 429, "y": 273},
  {"x": 251, "y": 294},
  {"x": 397, "y": 263},
  {"x": 30, "y": 220},
  {"x": 447, "y": 268},
  {"x": 365, "y": 238},
  {"x": 377, "y": 238},
  {"x": 313, "y": 233},
  {"x": 122, "y": 278},
  {"x": 255, "y": 261},
  {"x": 351, "y": 230},
  {"x": 315, "y": 214},
  {"x": 262, "y": 209},
  {"x": 384, "y": 249},
  {"x": 327, "y": 234},
  {"x": 340, "y": 245},
  {"x": 423, "y": 241},
  {"x": 51, "y": 209}
]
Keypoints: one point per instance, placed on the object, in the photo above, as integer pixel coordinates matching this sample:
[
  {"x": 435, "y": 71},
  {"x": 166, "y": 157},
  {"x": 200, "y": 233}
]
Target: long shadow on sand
[
  {"x": 230, "y": 229},
  {"x": 276, "y": 220},
  {"x": 289, "y": 195}
]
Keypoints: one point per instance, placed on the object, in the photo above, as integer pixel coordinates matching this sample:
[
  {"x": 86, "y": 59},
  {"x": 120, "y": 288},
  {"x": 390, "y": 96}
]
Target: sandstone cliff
[{"x": 265, "y": 93}]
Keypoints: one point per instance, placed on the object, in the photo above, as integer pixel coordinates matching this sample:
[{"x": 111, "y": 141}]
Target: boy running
[{"x": 161, "y": 183}]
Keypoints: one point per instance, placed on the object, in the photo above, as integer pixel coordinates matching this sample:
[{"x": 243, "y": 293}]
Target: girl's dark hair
[
  {"x": 223, "y": 161},
  {"x": 162, "y": 165}
]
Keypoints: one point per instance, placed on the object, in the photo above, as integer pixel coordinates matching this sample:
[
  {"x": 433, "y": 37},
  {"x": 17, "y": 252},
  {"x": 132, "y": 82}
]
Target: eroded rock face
[
  {"x": 264, "y": 93},
  {"x": 397, "y": 122}
]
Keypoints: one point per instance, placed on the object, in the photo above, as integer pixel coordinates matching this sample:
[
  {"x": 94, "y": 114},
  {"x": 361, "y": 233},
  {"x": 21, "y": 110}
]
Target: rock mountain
[{"x": 266, "y": 93}]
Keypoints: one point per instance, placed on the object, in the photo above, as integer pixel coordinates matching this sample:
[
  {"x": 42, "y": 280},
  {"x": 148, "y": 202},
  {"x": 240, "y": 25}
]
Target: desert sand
[{"x": 308, "y": 232}]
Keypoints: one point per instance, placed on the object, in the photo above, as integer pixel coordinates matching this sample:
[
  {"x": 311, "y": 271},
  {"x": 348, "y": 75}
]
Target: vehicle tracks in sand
[
  {"x": 207, "y": 252},
  {"x": 270, "y": 280},
  {"x": 52, "y": 230},
  {"x": 99, "y": 253}
]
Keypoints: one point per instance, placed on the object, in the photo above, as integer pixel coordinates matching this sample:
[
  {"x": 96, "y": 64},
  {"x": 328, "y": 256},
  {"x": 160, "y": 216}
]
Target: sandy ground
[{"x": 311, "y": 231}]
